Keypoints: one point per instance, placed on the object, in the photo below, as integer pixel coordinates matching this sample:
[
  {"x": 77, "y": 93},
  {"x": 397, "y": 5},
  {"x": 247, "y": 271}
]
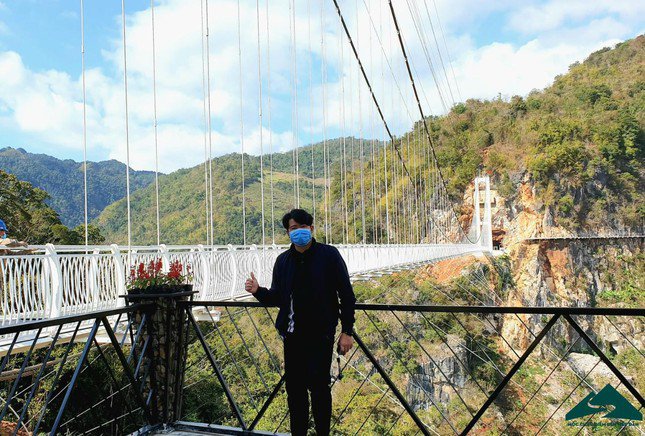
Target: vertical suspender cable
[
  {"x": 154, "y": 111},
  {"x": 206, "y": 160},
  {"x": 257, "y": 13},
  {"x": 353, "y": 159},
  {"x": 294, "y": 157},
  {"x": 406, "y": 200},
  {"x": 311, "y": 117},
  {"x": 360, "y": 139},
  {"x": 371, "y": 112},
  {"x": 415, "y": 216},
  {"x": 84, "y": 121},
  {"x": 436, "y": 43},
  {"x": 385, "y": 144},
  {"x": 239, "y": 56},
  {"x": 268, "y": 26},
  {"x": 343, "y": 162},
  {"x": 295, "y": 103},
  {"x": 396, "y": 211},
  {"x": 423, "y": 217},
  {"x": 443, "y": 34},
  {"x": 323, "y": 79},
  {"x": 209, "y": 119},
  {"x": 417, "y": 185},
  {"x": 425, "y": 125},
  {"x": 127, "y": 131}
]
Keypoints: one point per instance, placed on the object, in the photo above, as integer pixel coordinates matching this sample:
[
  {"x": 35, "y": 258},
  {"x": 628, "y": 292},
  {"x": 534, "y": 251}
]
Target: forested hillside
[
  {"x": 63, "y": 181},
  {"x": 24, "y": 210},
  {"x": 183, "y": 194},
  {"x": 578, "y": 146}
]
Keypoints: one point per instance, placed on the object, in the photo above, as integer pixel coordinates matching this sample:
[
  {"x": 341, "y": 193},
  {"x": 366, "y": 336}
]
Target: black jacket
[{"x": 327, "y": 281}]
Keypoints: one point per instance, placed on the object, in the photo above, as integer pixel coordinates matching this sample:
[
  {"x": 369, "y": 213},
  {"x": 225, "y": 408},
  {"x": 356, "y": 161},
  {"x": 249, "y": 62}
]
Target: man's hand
[
  {"x": 345, "y": 343},
  {"x": 251, "y": 284}
]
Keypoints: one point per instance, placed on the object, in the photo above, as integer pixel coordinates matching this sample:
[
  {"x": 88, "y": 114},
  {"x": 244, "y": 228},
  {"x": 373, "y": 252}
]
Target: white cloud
[
  {"x": 553, "y": 14},
  {"x": 48, "y": 104},
  {"x": 517, "y": 69}
]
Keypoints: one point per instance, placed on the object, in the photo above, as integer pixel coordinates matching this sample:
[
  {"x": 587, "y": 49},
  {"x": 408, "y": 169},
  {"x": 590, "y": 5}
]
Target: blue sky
[{"x": 495, "y": 46}]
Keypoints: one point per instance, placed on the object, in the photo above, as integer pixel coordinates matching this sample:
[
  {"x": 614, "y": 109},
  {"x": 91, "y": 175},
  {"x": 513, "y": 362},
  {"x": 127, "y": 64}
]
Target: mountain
[
  {"x": 576, "y": 149},
  {"x": 63, "y": 181},
  {"x": 183, "y": 194}
]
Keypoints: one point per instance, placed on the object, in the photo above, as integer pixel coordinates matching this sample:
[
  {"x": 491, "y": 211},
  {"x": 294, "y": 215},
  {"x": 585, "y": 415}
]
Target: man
[
  {"x": 3, "y": 230},
  {"x": 308, "y": 281}
]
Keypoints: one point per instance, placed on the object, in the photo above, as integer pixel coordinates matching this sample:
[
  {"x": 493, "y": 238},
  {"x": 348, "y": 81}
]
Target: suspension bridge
[{"x": 76, "y": 357}]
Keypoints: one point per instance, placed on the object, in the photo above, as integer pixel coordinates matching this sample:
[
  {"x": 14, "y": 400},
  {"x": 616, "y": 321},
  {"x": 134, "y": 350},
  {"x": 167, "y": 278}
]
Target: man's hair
[{"x": 300, "y": 216}]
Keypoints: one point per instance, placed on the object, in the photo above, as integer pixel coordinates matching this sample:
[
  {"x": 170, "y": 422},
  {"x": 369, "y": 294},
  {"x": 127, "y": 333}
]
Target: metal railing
[
  {"x": 428, "y": 369},
  {"x": 86, "y": 378},
  {"x": 58, "y": 281},
  {"x": 414, "y": 369}
]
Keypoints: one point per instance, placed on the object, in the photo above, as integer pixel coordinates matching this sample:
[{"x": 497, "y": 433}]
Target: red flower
[{"x": 149, "y": 274}]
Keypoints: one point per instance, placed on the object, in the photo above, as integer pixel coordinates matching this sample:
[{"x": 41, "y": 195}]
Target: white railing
[{"x": 57, "y": 281}]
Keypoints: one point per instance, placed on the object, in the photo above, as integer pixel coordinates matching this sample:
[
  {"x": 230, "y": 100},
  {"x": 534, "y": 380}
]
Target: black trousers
[{"x": 307, "y": 362}]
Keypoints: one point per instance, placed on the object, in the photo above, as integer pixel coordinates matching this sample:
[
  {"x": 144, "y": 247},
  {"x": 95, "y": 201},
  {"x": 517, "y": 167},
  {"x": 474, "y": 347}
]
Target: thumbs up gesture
[{"x": 251, "y": 284}]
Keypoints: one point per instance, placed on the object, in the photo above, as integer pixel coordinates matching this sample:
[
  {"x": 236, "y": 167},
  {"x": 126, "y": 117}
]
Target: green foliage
[
  {"x": 30, "y": 219},
  {"x": 64, "y": 182},
  {"x": 627, "y": 278},
  {"x": 183, "y": 198}
]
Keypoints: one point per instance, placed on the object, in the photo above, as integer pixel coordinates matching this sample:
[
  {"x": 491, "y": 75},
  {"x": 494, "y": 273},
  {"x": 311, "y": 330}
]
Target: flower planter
[{"x": 160, "y": 290}]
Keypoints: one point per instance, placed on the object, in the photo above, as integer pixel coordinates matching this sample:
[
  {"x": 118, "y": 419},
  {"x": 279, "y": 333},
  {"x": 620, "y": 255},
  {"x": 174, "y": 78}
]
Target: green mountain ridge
[
  {"x": 182, "y": 197},
  {"x": 63, "y": 181},
  {"x": 578, "y": 146}
]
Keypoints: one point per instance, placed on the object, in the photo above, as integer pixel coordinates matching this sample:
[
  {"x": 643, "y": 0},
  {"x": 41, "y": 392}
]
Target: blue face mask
[
  {"x": 4, "y": 236},
  {"x": 300, "y": 237}
]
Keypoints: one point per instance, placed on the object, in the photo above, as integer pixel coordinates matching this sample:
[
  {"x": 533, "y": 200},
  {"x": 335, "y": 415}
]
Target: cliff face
[{"x": 556, "y": 272}]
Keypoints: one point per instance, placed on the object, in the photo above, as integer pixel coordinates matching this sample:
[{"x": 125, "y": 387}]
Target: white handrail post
[
  {"x": 93, "y": 279},
  {"x": 119, "y": 271},
  {"x": 54, "y": 301},
  {"x": 231, "y": 250},
  {"x": 206, "y": 272},
  {"x": 477, "y": 216},
  {"x": 165, "y": 259},
  {"x": 488, "y": 219}
]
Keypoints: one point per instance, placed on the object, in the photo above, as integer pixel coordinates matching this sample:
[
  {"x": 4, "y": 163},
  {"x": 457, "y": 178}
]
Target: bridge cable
[
  {"x": 360, "y": 139},
  {"x": 209, "y": 120},
  {"x": 296, "y": 115},
  {"x": 424, "y": 43},
  {"x": 154, "y": 99},
  {"x": 84, "y": 122},
  {"x": 268, "y": 26},
  {"x": 206, "y": 159},
  {"x": 443, "y": 35},
  {"x": 425, "y": 125},
  {"x": 127, "y": 131},
  {"x": 257, "y": 16},
  {"x": 352, "y": 149},
  {"x": 311, "y": 117},
  {"x": 294, "y": 97},
  {"x": 323, "y": 79},
  {"x": 367, "y": 82},
  {"x": 395, "y": 81},
  {"x": 343, "y": 159},
  {"x": 374, "y": 173},
  {"x": 385, "y": 177},
  {"x": 239, "y": 56},
  {"x": 436, "y": 43}
]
